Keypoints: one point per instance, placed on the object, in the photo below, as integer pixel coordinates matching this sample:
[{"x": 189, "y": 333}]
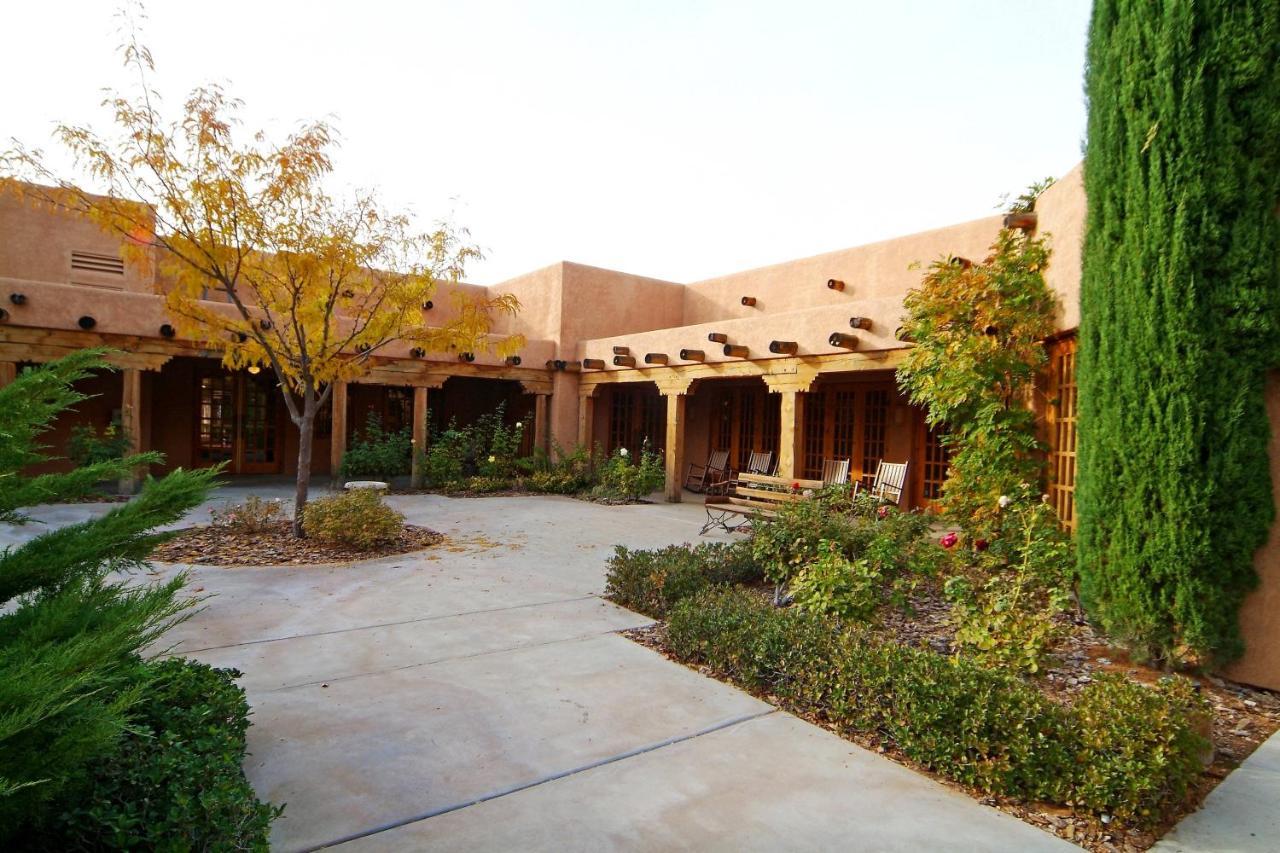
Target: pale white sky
[{"x": 674, "y": 139}]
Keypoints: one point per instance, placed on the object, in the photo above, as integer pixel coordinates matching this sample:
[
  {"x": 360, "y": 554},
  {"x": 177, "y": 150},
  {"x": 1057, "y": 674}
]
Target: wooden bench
[{"x": 751, "y": 495}]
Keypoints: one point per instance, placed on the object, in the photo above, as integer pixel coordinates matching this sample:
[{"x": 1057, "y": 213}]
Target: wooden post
[
  {"x": 8, "y": 372},
  {"x": 131, "y": 422},
  {"x": 416, "y": 473},
  {"x": 675, "y": 445},
  {"x": 787, "y": 434},
  {"x": 586, "y": 420},
  {"x": 540, "y": 431},
  {"x": 338, "y": 433}
]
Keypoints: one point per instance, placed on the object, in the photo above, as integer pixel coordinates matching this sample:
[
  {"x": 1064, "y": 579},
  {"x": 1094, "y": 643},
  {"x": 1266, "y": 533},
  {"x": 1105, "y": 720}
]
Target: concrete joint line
[
  {"x": 504, "y": 650},
  {"x": 386, "y": 624},
  {"x": 524, "y": 786}
]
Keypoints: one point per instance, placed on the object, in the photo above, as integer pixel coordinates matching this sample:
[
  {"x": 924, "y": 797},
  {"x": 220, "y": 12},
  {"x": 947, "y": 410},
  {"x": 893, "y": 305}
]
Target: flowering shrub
[
  {"x": 252, "y": 515},
  {"x": 1007, "y": 597},
  {"x": 625, "y": 478},
  {"x": 357, "y": 518}
]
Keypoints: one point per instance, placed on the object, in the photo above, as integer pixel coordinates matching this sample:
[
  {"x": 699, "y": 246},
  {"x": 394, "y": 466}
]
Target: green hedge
[
  {"x": 650, "y": 582},
  {"x": 1179, "y": 318},
  {"x": 1123, "y": 749},
  {"x": 176, "y": 781}
]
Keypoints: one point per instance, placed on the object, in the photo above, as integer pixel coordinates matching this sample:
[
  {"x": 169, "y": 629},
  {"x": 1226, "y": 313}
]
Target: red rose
[
  {"x": 883, "y": 511},
  {"x": 948, "y": 540},
  {"x": 980, "y": 544},
  {"x": 795, "y": 486}
]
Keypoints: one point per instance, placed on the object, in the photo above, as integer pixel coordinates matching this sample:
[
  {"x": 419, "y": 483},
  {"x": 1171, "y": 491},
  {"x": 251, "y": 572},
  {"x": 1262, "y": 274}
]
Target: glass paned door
[
  {"x": 216, "y": 419},
  {"x": 238, "y": 423},
  {"x": 258, "y": 427}
]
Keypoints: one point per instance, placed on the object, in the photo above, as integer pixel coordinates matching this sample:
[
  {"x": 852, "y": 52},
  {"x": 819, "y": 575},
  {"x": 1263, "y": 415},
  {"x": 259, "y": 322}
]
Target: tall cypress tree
[{"x": 1180, "y": 317}]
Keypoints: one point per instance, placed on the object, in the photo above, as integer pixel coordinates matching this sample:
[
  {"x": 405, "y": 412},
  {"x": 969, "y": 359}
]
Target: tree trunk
[{"x": 306, "y": 435}]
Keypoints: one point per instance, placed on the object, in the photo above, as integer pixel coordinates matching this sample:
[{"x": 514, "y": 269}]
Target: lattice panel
[
  {"x": 1062, "y": 431},
  {"x": 936, "y": 458}
]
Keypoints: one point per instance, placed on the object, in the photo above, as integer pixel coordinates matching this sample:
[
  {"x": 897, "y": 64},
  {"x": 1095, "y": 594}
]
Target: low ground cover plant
[
  {"x": 652, "y": 581},
  {"x": 1122, "y": 749},
  {"x": 357, "y": 518}
]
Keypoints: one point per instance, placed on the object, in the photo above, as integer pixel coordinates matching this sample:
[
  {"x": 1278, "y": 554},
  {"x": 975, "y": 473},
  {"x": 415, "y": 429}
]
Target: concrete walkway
[{"x": 478, "y": 697}]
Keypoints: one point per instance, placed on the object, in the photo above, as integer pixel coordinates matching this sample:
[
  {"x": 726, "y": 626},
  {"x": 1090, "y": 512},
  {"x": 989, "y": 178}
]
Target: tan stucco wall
[
  {"x": 876, "y": 270},
  {"x": 1260, "y": 615},
  {"x": 37, "y": 245},
  {"x": 1061, "y": 210}
]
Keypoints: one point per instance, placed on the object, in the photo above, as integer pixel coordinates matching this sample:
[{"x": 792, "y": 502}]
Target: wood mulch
[
  {"x": 277, "y": 546},
  {"x": 1243, "y": 718}
]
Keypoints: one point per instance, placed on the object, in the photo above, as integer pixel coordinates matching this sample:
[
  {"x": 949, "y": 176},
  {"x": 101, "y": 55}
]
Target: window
[
  {"x": 815, "y": 427},
  {"x": 875, "y": 420}
]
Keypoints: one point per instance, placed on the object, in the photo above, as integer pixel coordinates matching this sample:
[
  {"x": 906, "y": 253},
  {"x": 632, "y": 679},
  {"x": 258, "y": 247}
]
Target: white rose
[
  {"x": 1004, "y": 501},
  {"x": 622, "y": 451}
]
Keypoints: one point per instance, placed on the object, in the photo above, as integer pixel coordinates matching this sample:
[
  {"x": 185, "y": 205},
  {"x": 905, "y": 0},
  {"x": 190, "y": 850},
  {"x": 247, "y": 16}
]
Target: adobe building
[{"x": 797, "y": 359}]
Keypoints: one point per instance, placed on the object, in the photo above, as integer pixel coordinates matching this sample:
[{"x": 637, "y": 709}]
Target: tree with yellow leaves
[{"x": 255, "y": 257}]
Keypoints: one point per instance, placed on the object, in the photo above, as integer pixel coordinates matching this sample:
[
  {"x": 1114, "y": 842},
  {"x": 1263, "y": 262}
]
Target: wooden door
[
  {"x": 238, "y": 423},
  {"x": 215, "y": 419},
  {"x": 259, "y": 433}
]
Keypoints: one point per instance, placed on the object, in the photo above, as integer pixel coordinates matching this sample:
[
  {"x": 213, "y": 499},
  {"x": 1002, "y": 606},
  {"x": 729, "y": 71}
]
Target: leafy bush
[
  {"x": 446, "y": 458},
  {"x": 376, "y": 454},
  {"x": 622, "y": 478},
  {"x": 785, "y": 544},
  {"x": 175, "y": 781},
  {"x": 86, "y": 446},
  {"x": 560, "y": 472},
  {"x": 650, "y": 582},
  {"x": 979, "y": 331},
  {"x": 1140, "y": 748},
  {"x": 1123, "y": 748},
  {"x": 825, "y": 547},
  {"x": 252, "y": 515},
  {"x": 833, "y": 585},
  {"x": 357, "y": 518}
]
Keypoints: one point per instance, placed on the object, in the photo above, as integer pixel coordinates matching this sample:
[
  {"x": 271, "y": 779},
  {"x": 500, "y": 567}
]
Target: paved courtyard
[{"x": 478, "y": 697}]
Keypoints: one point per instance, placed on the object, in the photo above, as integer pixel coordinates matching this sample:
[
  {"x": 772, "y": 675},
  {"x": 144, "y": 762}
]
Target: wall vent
[{"x": 91, "y": 262}]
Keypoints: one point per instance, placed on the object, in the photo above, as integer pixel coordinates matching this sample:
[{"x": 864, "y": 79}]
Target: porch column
[
  {"x": 676, "y": 390},
  {"x": 131, "y": 422},
  {"x": 338, "y": 431},
  {"x": 416, "y": 474},
  {"x": 792, "y": 388},
  {"x": 540, "y": 423},
  {"x": 586, "y": 416},
  {"x": 8, "y": 372}
]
